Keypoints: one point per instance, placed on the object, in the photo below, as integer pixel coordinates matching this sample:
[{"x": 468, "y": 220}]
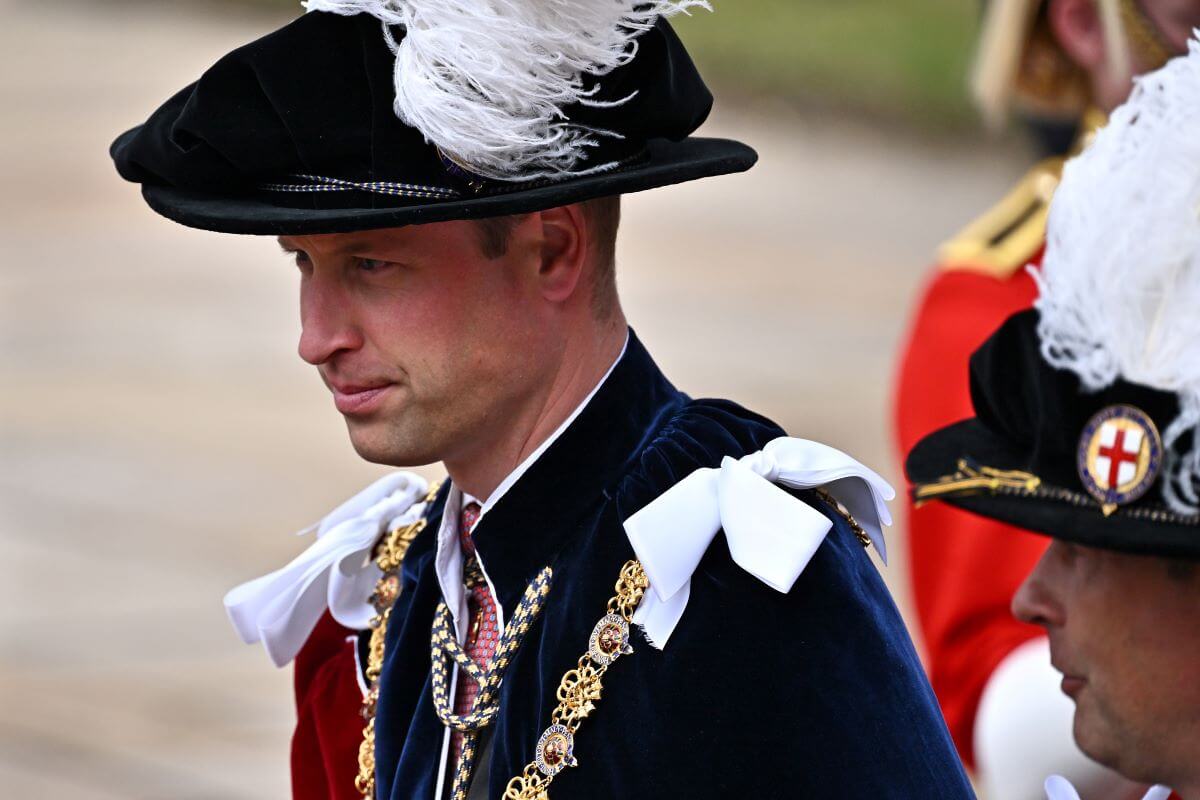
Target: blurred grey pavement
[{"x": 159, "y": 438}]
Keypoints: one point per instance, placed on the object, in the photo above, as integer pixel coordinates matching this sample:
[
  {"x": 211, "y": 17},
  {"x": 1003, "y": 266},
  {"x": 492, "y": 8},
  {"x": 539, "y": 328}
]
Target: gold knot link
[
  {"x": 579, "y": 690},
  {"x": 631, "y": 585},
  {"x": 863, "y": 537},
  {"x": 577, "y": 694},
  {"x": 526, "y": 787},
  {"x": 389, "y": 555},
  {"x": 394, "y": 546},
  {"x": 375, "y": 648},
  {"x": 364, "y": 782}
]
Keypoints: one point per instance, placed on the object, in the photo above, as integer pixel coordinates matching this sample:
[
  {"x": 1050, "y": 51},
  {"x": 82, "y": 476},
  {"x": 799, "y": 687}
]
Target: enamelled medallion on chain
[{"x": 578, "y": 691}]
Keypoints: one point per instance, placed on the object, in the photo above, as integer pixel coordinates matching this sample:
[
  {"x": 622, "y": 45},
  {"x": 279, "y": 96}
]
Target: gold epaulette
[{"x": 1004, "y": 239}]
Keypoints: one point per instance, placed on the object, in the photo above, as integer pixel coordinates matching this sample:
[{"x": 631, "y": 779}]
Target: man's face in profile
[
  {"x": 1124, "y": 631},
  {"x": 422, "y": 339}
]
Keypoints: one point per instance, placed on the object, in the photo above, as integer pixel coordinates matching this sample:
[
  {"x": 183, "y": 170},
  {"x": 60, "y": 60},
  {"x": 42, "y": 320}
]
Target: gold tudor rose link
[{"x": 580, "y": 689}]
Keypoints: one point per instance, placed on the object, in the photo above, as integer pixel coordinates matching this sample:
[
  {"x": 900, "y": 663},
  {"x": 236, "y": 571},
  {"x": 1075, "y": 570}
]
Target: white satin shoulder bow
[
  {"x": 336, "y": 572},
  {"x": 1059, "y": 788},
  {"x": 771, "y": 534}
]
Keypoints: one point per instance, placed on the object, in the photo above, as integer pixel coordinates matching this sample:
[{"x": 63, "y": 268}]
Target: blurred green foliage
[{"x": 898, "y": 59}]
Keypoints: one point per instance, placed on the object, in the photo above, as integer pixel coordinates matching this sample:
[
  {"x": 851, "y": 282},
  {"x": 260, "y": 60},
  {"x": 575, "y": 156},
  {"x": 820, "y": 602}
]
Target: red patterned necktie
[{"x": 484, "y": 632}]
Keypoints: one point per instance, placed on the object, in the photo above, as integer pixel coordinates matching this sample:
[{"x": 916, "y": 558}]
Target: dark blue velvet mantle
[{"x": 813, "y": 694}]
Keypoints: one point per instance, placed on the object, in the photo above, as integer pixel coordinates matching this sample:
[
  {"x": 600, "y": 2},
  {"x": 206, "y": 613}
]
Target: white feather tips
[
  {"x": 1120, "y": 281},
  {"x": 486, "y": 80}
]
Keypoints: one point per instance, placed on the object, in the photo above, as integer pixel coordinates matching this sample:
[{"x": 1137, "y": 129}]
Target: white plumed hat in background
[
  {"x": 486, "y": 81},
  {"x": 1120, "y": 281}
]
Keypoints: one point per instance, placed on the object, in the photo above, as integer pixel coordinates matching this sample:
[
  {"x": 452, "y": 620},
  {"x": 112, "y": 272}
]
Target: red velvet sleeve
[
  {"x": 329, "y": 723},
  {"x": 965, "y": 568}
]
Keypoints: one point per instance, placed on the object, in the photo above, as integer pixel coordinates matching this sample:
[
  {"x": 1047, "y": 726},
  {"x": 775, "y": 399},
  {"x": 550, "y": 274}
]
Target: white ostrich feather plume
[
  {"x": 1120, "y": 282},
  {"x": 486, "y": 80}
]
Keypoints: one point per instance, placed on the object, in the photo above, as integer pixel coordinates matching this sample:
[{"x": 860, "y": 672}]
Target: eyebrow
[{"x": 348, "y": 247}]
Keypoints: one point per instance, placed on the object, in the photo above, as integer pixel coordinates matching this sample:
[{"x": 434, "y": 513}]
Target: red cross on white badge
[
  {"x": 1120, "y": 455},
  {"x": 1117, "y": 458}
]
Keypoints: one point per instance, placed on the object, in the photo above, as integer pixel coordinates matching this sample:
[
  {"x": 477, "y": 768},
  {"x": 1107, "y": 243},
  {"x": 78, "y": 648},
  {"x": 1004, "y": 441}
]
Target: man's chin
[
  {"x": 389, "y": 450},
  {"x": 1091, "y": 735}
]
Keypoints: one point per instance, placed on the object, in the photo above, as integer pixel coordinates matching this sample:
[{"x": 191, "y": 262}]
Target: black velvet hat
[
  {"x": 301, "y": 132},
  {"x": 1087, "y": 408},
  {"x": 1044, "y": 454}
]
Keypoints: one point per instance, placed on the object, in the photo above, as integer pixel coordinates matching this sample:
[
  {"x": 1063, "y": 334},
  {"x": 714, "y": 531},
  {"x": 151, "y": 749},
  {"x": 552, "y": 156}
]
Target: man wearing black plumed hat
[
  {"x": 1085, "y": 429},
  {"x": 620, "y": 591}
]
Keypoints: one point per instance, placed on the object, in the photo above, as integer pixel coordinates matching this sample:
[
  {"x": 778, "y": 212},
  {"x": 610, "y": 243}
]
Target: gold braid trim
[
  {"x": 389, "y": 556},
  {"x": 444, "y": 649},
  {"x": 580, "y": 688},
  {"x": 972, "y": 477}
]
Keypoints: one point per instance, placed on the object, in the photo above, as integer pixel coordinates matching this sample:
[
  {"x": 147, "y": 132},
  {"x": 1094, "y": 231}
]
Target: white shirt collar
[{"x": 448, "y": 560}]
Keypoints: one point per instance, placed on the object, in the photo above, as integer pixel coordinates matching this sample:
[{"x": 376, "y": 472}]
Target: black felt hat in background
[
  {"x": 297, "y": 133},
  {"x": 1087, "y": 409},
  {"x": 1017, "y": 459}
]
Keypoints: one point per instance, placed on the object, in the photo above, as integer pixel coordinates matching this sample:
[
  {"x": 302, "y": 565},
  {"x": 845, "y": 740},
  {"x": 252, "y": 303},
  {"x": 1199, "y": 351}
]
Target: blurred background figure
[{"x": 1061, "y": 65}]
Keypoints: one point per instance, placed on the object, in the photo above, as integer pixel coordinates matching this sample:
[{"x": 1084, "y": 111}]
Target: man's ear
[
  {"x": 564, "y": 250},
  {"x": 1080, "y": 32}
]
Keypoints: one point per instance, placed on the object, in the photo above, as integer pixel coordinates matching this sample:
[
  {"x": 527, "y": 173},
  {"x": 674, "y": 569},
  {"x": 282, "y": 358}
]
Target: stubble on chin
[
  {"x": 1096, "y": 735},
  {"x": 379, "y": 442}
]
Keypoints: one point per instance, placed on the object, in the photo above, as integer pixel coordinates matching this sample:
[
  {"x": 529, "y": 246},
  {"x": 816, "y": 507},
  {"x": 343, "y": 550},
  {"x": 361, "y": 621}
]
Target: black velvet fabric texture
[
  {"x": 814, "y": 694},
  {"x": 1029, "y": 417},
  {"x": 316, "y": 98}
]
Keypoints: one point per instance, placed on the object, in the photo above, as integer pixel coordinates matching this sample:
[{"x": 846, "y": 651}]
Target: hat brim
[
  {"x": 1125, "y": 530},
  {"x": 666, "y": 163}
]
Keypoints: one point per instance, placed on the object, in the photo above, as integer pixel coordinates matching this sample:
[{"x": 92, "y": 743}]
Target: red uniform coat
[{"x": 965, "y": 568}]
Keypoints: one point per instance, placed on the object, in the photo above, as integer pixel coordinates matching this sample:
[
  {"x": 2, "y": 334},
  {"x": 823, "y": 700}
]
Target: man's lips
[
  {"x": 1071, "y": 684},
  {"x": 358, "y": 399}
]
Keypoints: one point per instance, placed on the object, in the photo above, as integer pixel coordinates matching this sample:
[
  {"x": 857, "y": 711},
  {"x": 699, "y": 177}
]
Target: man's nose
[
  {"x": 327, "y": 323},
  {"x": 1036, "y": 599}
]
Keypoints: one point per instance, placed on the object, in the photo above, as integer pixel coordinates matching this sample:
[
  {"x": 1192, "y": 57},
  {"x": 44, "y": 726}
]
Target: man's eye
[
  {"x": 372, "y": 264},
  {"x": 302, "y": 260}
]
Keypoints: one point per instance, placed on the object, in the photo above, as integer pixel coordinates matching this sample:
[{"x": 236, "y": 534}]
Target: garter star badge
[{"x": 1120, "y": 455}]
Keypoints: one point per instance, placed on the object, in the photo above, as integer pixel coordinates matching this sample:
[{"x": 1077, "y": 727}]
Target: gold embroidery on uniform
[{"x": 1005, "y": 238}]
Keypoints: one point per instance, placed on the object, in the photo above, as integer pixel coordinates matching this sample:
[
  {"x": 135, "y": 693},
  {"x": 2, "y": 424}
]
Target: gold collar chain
[
  {"x": 580, "y": 688},
  {"x": 577, "y": 694},
  {"x": 578, "y": 691},
  {"x": 389, "y": 556}
]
